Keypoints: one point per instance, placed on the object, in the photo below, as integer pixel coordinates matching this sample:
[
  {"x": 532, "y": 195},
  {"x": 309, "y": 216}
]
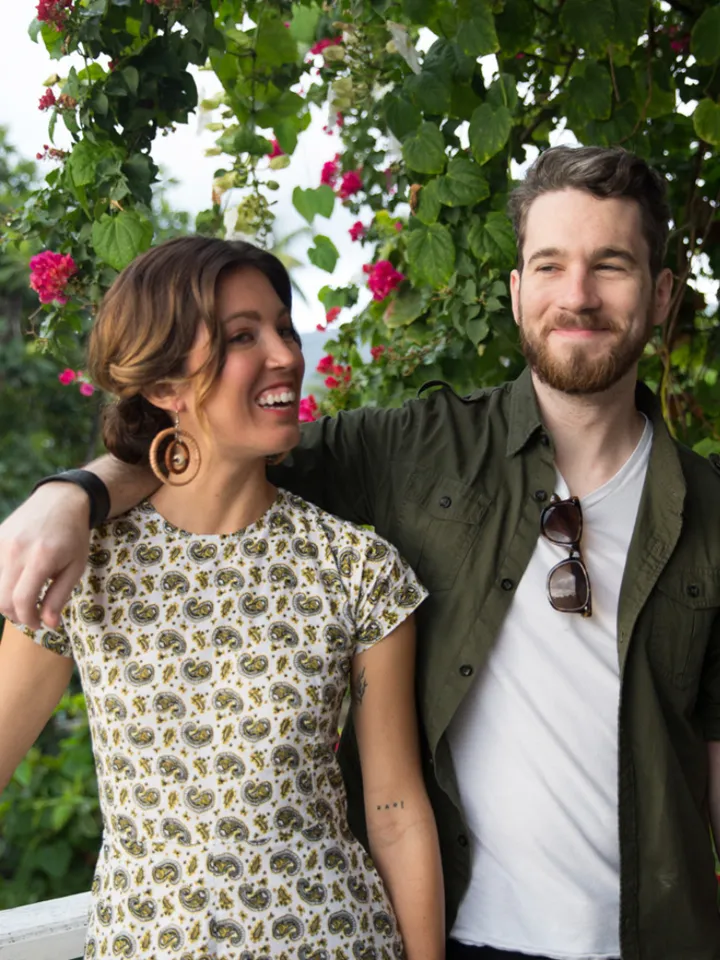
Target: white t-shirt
[{"x": 535, "y": 745}]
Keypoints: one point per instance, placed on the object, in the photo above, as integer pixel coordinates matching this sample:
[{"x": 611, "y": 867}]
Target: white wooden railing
[{"x": 51, "y": 930}]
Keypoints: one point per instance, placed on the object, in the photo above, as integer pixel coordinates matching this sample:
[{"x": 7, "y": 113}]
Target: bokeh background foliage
[{"x": 435, "y": 104}]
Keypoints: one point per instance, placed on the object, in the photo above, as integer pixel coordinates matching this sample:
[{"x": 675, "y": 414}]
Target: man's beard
[{"x": 577, "y": 373}]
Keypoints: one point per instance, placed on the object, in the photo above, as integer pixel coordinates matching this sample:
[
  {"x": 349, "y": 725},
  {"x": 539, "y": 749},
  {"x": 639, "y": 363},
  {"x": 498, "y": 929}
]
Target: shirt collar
[{"x": 524, "y": 417}]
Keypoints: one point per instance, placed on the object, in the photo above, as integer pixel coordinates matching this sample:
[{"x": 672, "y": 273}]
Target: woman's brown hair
[{"x": 147, "y": 324}]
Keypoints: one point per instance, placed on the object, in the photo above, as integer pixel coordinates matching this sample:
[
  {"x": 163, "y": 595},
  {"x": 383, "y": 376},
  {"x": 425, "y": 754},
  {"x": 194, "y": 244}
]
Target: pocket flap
[
  {"x": 445, "y": 498},
  {"x": 695, "y": 587}
]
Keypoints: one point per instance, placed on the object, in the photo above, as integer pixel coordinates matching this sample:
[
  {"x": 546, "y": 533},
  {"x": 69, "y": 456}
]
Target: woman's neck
[{"x": 221, "y": 499}]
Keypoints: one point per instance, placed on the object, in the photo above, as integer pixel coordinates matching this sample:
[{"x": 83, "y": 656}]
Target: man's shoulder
[{"x": 702, "y": 472}]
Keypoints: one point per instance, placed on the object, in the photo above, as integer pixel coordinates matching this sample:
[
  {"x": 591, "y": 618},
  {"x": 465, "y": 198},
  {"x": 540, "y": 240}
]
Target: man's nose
[{"x": 579, "y": 291}]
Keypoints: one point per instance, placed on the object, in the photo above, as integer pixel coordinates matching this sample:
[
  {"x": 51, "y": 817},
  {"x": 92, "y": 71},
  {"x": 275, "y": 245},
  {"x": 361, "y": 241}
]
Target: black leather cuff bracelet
[{"x": 92, "y": 485}]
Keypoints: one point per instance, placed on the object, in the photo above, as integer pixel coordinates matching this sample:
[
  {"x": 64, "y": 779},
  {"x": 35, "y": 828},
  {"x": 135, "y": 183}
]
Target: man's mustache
[{"x": 568, "y": 321}]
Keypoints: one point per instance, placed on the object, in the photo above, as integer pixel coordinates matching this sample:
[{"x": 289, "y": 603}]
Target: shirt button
[
  {"x": 463, "y": 840},
  {"x": 466, "y": 670},
  {"x": 507, "y": 584},
  {"x": 445, "y": 502},
  {"x": 540, "y": 495},
  {"x": 692, "y": 590}
]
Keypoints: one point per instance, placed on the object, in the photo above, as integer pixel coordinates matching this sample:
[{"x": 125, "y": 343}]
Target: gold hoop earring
[
  {"x": 274, "y": 459},
  {"x": 181, "y": 458}
]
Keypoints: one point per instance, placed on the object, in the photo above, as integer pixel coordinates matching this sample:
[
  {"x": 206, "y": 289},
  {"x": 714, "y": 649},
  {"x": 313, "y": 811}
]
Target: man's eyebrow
[
  {"x": 253, "y": 315},
  {"x": 603, "y": 253},
  {"x": 546, "y": 253},
  {"x": 614, "y": 253}
]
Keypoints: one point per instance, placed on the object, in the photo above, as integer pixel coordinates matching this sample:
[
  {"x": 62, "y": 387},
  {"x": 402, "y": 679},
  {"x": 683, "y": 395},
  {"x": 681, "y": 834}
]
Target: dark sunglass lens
[
  {"x": 562, "y": 523},
  {"x": 568, "y": 586}
]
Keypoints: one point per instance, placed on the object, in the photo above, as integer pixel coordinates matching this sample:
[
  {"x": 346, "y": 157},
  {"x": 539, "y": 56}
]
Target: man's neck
[{"x": 593, "y": 435}]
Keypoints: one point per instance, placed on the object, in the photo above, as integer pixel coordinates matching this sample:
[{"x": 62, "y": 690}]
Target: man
[{"x": 569, "y": 654}]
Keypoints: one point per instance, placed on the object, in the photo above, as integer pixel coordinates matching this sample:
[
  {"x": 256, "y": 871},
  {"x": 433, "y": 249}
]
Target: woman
[{"x": 215, "y": 630}]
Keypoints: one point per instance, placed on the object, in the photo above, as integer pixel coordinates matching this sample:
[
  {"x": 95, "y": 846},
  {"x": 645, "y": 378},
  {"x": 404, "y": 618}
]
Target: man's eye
[
  {"x": 547, "y": 268},
  {"x": 609, "y": 266}
]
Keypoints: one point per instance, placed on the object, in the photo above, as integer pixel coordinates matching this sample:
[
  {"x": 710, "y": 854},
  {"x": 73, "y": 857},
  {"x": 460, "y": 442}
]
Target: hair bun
[{"x": 129, "y": 427}]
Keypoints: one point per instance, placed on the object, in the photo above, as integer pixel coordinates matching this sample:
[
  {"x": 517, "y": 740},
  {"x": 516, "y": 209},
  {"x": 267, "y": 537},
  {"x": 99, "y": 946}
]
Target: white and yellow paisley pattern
[{"x": 214, "y": 669}]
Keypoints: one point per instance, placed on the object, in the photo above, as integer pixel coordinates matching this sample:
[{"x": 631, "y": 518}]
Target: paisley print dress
[{"x": 214, "y": 669}]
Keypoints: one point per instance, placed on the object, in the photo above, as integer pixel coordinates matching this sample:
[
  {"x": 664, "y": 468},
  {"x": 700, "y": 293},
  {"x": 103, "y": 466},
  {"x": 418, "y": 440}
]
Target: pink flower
[
  {"x": 398, "y": 225},
  {"x": 382, "y": 278},
  {"x": 47, "y": 100},
  {"x": 377, "y": 352},
  {"x": 87, "y": 389},
  {"x": 331, "y": 383},
  {"x": 681, "y": 45},
  {"x": 54, "y": 11},
  {"x": 321, "y": 45},
  {"x": 320, "y": 327},
  {"x": 308, "y": 409},
  {"x": 332, "y": 314},
  {"x": 277, "y": 151},
  {"x": 67, "y": 376},
  {"x": 350, "y": 183},
  {"x": 329, "y": 172},
  {"x": 357, "y": 230},
  {"x": 325, "y": 365},
  {"x": 49, "y": 275}
]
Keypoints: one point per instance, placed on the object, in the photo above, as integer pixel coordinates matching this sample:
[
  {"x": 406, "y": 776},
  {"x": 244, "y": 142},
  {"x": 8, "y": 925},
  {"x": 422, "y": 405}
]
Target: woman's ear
[{"x": 165, "y": 396}]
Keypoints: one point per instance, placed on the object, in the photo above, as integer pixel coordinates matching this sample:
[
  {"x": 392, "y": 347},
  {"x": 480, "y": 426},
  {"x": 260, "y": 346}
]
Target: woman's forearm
[{"x": 407, "y": 855}]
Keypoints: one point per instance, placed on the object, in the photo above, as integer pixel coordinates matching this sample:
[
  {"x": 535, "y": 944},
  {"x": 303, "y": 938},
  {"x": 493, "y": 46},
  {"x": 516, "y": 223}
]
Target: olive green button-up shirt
[{"x": 458, "y": 484}]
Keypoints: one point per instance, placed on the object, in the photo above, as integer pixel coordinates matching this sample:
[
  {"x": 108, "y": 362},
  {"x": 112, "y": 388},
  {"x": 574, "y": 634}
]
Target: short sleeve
[
  {"x": 388, "y": 593},
  {"x": 56, "y": 641}
]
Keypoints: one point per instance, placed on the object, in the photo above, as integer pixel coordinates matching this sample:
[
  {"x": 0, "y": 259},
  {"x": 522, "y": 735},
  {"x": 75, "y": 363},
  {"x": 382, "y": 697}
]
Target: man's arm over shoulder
[
  {"x": 47, "y": 537},
  {"x": 344, "y": 463}
]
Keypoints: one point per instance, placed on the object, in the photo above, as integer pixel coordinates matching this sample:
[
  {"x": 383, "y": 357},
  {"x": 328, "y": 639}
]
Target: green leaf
[
  {"x": 477, "y": 330},
  {"x": 431, "y": 255},
  {"x": 324, "y": 254},
  {"x": 631, "y": 20},
  {"x": 419, "y": 11},
  {"x": 494, "y": 240},
  {"x": 502, "y": 92},
  {"x": 53, "y": 40},
  {"x": 132, "y": 78},
  {"x": 91, "y": 73},
  {"x": 117, "y": 239},
  {"x": 424, "y": 151},
  {"x": 244, "y": 140},
  {"x": 83, "y": 162},
  {"x": 275, "y": 44},
  {"x": 311, "y": 202},
  {"x": 705, "y": 37},
  {"x": 429, "y": 91},
  {"x": 34, "y": 30},
  {"x": 706, "y": 121},
  {"x": 589, "y": 97},
  {"x": 463, "y": 184},
  {"x": 477, "y": 37},
  {"x": 402, "y": 116},
  {"x": 589, "y": 23},
  {"x": 428, "y": 208},
  {"x": 405, "y": 308},
  {"x": 303, "y": 24},
  {"x": 515, "y": 26},
  {"x": 489, "y": 131}
]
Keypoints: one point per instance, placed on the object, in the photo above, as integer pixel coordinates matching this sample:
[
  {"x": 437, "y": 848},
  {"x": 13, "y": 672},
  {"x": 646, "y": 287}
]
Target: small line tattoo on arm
[
  {"x": 398, "y": 804},
  {"x": 360, "y": 686}
]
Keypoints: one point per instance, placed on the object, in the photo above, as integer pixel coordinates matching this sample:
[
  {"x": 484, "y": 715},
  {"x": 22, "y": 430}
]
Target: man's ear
[
  {"x": 515, "y": 278},
  {"x": 662, "y": 296}
]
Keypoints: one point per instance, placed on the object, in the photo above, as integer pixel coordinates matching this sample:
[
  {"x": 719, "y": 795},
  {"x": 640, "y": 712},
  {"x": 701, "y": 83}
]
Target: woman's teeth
[{"x": 276, "y": 399}]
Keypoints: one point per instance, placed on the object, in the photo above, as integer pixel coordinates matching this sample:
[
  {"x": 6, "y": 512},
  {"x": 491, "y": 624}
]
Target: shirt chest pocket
[
  {"x": 684, "y": 610},
  {"x": 439, "y": 520}
]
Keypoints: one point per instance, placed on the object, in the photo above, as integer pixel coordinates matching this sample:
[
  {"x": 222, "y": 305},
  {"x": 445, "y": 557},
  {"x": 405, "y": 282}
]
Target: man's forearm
[{"x": 127, "y": 484}]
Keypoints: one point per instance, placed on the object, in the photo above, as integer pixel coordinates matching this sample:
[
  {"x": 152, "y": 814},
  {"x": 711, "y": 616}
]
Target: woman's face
[{"x": 251, "y": 410}]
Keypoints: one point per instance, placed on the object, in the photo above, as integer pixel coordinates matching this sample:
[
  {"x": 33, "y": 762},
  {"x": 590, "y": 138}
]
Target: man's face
[{"x": 585, "y": 302}]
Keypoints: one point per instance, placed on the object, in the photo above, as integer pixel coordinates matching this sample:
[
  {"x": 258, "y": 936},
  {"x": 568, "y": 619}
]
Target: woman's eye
[
  {"x": 243, "y": 337},
  {"x": 288, "y": 333}
]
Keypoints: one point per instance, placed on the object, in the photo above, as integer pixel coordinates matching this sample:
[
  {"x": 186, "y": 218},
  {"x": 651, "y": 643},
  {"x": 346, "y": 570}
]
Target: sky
[{"x": 181, "y": 155}]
